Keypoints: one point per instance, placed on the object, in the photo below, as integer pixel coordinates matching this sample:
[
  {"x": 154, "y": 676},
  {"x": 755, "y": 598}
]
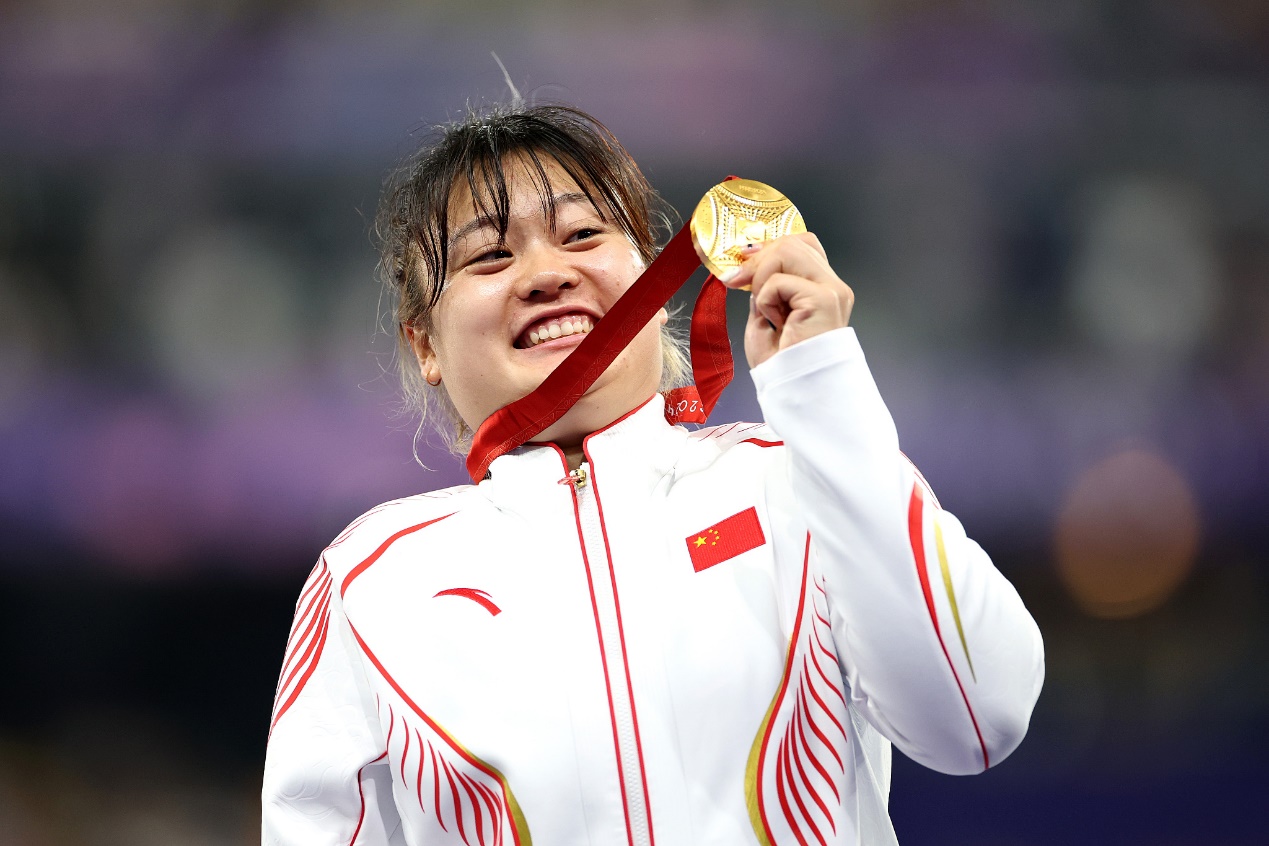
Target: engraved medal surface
[{"x": 739, "y": 212}]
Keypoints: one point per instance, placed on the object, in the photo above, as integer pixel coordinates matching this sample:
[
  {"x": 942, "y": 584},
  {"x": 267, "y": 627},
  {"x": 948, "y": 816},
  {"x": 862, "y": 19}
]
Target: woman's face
[{"x": 511, "y": 312}]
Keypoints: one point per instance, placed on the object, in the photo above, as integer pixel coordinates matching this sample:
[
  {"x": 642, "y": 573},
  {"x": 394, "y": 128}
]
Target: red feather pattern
[
  {"x": 446, "y": 786},
  {"x": 306, "y": 641},
  {"x": 810, "y": 752}
]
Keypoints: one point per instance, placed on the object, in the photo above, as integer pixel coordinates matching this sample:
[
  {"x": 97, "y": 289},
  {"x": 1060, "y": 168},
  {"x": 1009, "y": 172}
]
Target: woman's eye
[
  {"x": 582, "y": 234},
  {"x": 496, "y": 254}
]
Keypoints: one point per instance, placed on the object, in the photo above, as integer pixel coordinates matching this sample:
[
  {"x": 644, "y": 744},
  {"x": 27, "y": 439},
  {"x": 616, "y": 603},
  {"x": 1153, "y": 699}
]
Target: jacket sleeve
[
  {"x": 937, "y": 648},
  {"x": 326, "y": 778}
]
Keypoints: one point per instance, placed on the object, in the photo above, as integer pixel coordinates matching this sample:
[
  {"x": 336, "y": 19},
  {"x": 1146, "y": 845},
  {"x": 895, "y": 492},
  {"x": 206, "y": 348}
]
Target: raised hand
[{"x": 795, "y": 294}]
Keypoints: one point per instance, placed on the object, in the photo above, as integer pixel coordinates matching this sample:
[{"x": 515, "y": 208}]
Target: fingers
[
  {"x": 784, "y": 298},
  {"x": 799, "y": 255},
  {"x": 767, "y": 306},
  {"x": 795, "y": 294}
]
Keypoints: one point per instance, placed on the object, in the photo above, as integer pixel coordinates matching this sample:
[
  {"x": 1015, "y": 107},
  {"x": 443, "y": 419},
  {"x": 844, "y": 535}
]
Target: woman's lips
[{"x": 554, "y": 327}]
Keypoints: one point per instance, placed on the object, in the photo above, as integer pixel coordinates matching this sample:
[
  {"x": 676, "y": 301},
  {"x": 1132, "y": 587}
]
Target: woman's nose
[{"x": 547, "y": 272}]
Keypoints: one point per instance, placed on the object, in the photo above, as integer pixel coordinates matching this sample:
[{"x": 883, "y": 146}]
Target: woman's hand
[{"x": 795, "y": 296}]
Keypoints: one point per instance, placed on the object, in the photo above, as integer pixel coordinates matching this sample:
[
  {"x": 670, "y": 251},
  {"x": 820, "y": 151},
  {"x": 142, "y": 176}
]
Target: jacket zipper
[{"x": 608, "y": 620}]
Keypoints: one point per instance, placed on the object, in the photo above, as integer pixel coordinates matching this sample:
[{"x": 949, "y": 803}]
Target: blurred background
[{"x": 1055, "y": 217}]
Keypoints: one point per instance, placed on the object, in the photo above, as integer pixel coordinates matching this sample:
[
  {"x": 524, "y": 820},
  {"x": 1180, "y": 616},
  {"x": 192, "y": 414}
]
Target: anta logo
[
  {"x": 480, "y": 597},
  {"x": 725, "y": 539}
]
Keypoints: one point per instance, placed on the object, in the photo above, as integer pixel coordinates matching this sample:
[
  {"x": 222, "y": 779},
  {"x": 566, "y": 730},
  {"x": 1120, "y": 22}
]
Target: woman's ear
[{"x": 421, "y": 343}]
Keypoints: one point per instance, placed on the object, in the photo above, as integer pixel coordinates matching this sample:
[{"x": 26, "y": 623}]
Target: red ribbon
[{"x": 712, "y": 369}]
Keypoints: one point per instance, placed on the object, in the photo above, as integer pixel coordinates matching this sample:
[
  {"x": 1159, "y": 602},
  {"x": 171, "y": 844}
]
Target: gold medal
[{"x": 739, "y": 212}]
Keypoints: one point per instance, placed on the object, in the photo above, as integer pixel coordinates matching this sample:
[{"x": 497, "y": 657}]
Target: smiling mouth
[{"x": 554, "y": 327}]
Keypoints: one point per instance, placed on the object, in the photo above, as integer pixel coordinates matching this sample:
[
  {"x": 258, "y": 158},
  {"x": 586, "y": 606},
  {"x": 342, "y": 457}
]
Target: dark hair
[{"x": 412, "y": 226}]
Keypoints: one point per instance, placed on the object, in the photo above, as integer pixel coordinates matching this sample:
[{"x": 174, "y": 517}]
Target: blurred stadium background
[{"x": 1055, "y": 217}]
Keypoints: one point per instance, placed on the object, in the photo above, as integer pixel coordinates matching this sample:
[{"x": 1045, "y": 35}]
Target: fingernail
[
  {"x": 749, "y": 249},
  {"x": 728, "y": 275}
]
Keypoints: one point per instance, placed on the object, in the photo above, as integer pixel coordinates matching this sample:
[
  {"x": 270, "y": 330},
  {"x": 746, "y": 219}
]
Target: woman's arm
[
  {"x": 326, "y": 778},
  {"x": 939, "y": 652}
]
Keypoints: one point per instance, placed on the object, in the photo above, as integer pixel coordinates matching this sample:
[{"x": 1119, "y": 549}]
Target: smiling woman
[
  {"x": 520, "y": 295},
  {"x": 528, "y": 179},
  {"x": 628, "y": 632}
]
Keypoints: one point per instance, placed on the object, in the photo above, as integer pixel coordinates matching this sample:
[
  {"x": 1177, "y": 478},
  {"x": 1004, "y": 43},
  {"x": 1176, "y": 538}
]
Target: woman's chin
[{"x": 619, "y": 389}]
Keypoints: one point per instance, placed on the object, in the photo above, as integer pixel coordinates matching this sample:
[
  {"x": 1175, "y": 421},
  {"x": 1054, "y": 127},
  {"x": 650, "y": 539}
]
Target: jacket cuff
[{"x": 838, "y": 346}]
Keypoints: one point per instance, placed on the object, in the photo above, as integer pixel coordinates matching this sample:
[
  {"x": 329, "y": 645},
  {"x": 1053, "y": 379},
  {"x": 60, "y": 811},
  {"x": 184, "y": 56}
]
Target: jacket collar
[{"x": 639, "y": 448}]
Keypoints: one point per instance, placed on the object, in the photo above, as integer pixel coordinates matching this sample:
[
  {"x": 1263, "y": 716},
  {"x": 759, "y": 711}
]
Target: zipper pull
[{"x": 577, "y": 478}]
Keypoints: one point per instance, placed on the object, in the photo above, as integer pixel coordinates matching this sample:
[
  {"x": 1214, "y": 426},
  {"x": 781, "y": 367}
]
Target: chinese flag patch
[{"x": 725, "y": 539}]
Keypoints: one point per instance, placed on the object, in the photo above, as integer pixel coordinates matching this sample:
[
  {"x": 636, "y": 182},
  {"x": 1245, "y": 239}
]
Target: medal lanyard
[{"x": 712, "y": 368}]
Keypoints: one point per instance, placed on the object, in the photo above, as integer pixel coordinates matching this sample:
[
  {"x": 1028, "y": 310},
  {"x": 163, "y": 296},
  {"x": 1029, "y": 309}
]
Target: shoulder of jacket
[
  {"x": 730, "y": 435},
  {"x": 383, "y": 522}
]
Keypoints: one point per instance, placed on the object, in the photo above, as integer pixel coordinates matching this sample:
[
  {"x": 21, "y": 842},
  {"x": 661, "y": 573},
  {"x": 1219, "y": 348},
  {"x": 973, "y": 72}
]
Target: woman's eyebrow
[{"x": 486, "y": 220}]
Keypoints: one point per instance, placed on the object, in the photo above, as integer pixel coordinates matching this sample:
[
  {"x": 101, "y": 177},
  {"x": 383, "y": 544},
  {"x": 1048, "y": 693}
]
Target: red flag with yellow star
[{"x": 725, "y": 539}]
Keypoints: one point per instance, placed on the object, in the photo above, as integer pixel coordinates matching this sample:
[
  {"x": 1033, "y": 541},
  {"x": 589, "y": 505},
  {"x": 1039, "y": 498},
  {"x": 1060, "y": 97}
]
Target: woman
[{"x": 628, "y": 632}]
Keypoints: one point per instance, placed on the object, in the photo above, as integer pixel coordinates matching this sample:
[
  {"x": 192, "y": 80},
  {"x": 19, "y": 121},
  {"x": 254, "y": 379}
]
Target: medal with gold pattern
[{"x": 739, "y": 212}]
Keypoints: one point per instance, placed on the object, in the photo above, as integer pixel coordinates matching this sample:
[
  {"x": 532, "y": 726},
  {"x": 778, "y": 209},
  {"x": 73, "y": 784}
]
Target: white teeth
[{"x": 558, "y": 328}]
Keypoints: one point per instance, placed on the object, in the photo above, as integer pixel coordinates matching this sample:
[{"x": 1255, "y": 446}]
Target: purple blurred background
[{"x": 1055, "y": 217}]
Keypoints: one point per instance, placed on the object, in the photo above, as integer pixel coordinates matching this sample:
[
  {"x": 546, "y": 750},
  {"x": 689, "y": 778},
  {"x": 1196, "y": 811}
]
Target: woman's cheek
[{"x": 634, "y": 270}]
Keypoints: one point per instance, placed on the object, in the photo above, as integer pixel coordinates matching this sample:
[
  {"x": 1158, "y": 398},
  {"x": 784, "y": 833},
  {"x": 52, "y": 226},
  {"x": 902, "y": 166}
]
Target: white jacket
[{"x": 712, "y": 639}]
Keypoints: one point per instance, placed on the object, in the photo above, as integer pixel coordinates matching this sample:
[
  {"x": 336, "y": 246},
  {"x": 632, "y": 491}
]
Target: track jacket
[{"x": 707, "y": 637}]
